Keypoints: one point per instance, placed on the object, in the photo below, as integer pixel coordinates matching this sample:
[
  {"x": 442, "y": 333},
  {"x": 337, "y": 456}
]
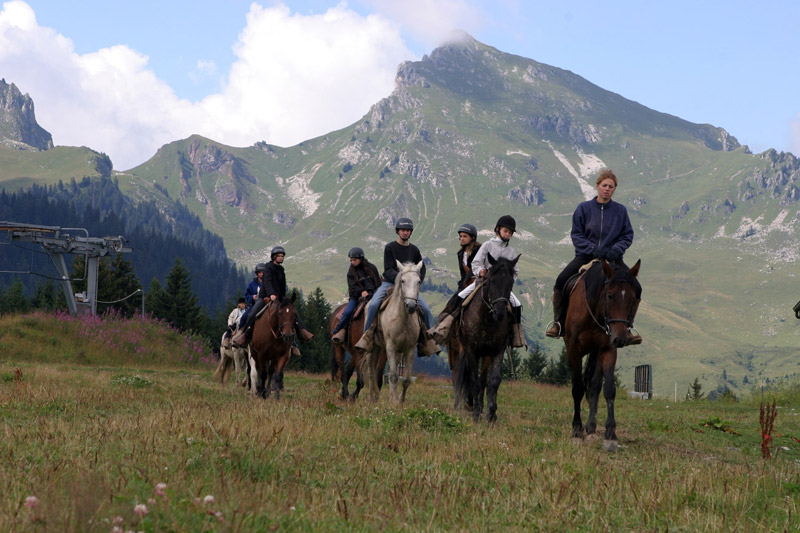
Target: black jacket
[
  {"x": 274, "y": 282},
  {"x": 394, "y": 251},
  {"x": 466, "y": 273},
  {"x": 364, "y": 277}
]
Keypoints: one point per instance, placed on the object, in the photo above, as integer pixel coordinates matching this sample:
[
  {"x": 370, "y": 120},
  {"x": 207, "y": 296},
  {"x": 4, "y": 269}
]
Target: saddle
[{"x": 362, "y": 304}]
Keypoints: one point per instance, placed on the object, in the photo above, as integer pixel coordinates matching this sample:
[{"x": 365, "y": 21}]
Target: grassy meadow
[{"x": 99, "y": 439}]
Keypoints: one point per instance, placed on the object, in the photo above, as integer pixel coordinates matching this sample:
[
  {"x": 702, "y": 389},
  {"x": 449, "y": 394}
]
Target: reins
[{"x": 606, "y": 320}]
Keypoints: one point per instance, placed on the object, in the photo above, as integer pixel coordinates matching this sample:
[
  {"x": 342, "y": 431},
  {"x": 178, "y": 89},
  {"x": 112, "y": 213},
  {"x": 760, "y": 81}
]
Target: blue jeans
[
  {"x": 347, "y": 315},
  {"x": 380, "y": 295}
]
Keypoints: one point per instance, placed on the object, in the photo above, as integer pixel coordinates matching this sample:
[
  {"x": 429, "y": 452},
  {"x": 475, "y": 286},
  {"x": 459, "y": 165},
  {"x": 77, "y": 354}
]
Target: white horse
[
  {"x": 231, "y": 357},
  {"x": 399, "y": 324}
]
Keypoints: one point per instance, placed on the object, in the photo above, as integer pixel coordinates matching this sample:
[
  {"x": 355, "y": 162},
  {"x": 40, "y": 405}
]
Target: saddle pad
[
  {"x": 471, "y": 295},
  {"x": 362, "y": 303},
  {"x": 337, "y": 315}
]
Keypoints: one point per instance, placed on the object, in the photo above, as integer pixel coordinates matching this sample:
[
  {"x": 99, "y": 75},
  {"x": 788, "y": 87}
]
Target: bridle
[
  {"x": 285, "y": 337},
  {"x": 605, "y": 326},
  {"x": 402, "y": 295},
  {"x": 491, "y": 304}
]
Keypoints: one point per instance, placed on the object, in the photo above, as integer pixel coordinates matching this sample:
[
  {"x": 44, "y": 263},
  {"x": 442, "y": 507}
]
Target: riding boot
[
  {"x": 441, "y": 331},
  {"x": 338, "y": 337},
  {"x": 246, "y": 333},
  {"x": 295, "y": 351},
  {"x": 517, "y": 334},
  {"x": 555, "y": 330},
  {"x": 634, "y": 339},
  {"x": 426, "y": 345},
  {"x": 303, "y": 335},
  {"x": 365, "y": 342}
]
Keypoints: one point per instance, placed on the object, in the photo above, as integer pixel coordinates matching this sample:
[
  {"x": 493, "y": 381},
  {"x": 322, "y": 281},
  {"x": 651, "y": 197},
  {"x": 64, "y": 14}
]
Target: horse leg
[
  {"x": 495, "y": 377},
  {"x": 409, "y": 358},
  {"x": 277, "y": 377},
  {"x": 577, "y": 392},
  {"x": 372, "y": 375},
  {"x": 608, "y": 363},
  {"x": 347, "y": 373},
  {"x": 475, "y": 392},
  {"x": 391, "y": 353},
  {"x": 593, "y": 382}
]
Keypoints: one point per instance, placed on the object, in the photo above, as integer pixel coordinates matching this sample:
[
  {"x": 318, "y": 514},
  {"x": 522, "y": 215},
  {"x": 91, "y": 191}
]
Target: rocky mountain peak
[{"x": 18, "y": 126}]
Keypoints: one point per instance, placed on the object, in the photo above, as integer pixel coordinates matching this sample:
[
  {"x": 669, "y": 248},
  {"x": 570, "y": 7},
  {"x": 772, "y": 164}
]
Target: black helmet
[
  {"x": 261, "y": 267},
  {"x": 275, "y": 251},
  {"x": 469, "y": 229},
  {"x": 403, "y": 223},
  {"x": 506, "y": 221},
  {"x": 355, "y": 253}
]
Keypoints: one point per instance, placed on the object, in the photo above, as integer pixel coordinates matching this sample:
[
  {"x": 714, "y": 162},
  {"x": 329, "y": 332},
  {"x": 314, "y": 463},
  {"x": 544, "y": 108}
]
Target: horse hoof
[
  {"x": 577, "y": 441},
  {"x": 610, "y": 445},
  {"x": 592, "y": 437}
]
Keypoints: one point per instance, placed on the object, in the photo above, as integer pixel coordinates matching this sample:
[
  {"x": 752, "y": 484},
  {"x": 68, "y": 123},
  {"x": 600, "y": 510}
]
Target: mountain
[
  {"x": 27, "y": 155},
  {"x": 470, "y": 133}
]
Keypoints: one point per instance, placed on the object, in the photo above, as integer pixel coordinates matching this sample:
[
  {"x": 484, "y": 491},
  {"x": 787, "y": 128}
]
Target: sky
[{"x": 125, "y": 78}]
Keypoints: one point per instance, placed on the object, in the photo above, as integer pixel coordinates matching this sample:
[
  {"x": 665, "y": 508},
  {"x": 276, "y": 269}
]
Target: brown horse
[
  {"x": 341, "y": 371},
  {"x": 484, "y": 333},
  {"x": 273, "y": 335},
  {"x": 599, "y": 313}
]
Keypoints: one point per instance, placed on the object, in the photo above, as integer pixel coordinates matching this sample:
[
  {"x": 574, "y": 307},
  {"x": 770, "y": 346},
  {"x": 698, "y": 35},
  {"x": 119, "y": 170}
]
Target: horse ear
[
  {"x": 608, "y": 272},
  {"x": 514, "y": 262},
  {"x": 491, "y": 259},
  {"x": 294, "y": 296},
  {"x": 418, "y": 266},
  {"x": 399, "y": 265},
  {"x": 635, "y": 270}
]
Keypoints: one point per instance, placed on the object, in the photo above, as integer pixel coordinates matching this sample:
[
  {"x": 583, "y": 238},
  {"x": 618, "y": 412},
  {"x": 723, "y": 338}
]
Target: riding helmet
[
  {"x": 469, "y": 229},
  {"x": 261, "y": 267},
  {"x": 403, "y": 223},
  {"x": 275, "y": 251},
  {"x": 355, "y": 253},
  {"x": 506, "y": 221}
]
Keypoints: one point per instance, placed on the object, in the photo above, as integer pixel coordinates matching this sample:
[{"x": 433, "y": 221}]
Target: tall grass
[{"x": 161, "y": 447}]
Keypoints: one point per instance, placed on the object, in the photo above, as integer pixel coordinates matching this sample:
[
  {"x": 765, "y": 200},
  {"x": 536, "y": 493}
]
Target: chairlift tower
[{"x": 57, "y": 242}]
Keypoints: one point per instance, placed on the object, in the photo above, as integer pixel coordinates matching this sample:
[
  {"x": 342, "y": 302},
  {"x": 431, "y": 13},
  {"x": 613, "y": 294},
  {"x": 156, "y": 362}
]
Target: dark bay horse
[
  {"x": 599, "y": 313},
  {"x": 273, "y": 335},
  {"x": 339, "y": 370},
  {"x": 484, "y": 331}
]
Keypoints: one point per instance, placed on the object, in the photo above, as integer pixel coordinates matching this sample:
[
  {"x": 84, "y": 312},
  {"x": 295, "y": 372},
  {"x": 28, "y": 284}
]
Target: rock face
[{"x": 18, "y": 127}]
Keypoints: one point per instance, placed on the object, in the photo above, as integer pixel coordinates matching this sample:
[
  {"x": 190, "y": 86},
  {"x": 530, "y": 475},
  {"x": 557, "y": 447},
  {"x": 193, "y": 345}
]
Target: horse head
[
  {"x": 286, "y": 318},
  {"x": 618, "y": 300},
  {"x": 407, "y": 283},
  {"x": 499, "y": 282}
]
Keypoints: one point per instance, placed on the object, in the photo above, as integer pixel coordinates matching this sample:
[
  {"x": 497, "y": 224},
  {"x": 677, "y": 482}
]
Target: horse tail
[{"x": 461, "y": 380}]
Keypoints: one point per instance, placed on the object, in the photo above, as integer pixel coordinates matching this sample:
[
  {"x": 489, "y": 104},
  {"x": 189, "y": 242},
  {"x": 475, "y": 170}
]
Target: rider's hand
[
  {"x": 273, "y": 297},
  {"x": 600, "y": 253},
  {"x": 484, "y": 273},
  {"x": 364, "y": 294},
  {"x": 612, "y": 255}
]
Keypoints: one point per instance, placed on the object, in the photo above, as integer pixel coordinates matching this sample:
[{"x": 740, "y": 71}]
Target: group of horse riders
[{"x": 601, "y": 229}]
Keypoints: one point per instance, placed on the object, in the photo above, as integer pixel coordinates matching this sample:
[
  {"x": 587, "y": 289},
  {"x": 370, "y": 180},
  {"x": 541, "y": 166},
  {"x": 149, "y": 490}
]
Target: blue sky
[{"x": 127, "y": 77}]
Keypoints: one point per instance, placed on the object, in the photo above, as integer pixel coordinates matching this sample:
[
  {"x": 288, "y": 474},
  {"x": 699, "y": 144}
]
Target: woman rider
[
  {"x": 362, "y": 281},
  {"x": 601, "y": 229}
]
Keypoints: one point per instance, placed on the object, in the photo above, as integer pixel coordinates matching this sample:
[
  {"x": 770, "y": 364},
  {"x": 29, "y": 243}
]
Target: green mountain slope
[{"x": 470, "y": 133}]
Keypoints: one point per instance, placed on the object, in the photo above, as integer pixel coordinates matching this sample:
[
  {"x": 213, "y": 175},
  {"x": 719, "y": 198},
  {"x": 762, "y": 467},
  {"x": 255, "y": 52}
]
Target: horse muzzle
[
  {"x": 287, "y": 337},
  {"x": 411, "y": 306}
]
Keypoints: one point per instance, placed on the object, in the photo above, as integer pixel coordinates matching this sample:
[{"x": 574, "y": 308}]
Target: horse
[
  {"x": 484, "y": 332},
  {"x": 231, "y": 358},
  {"x": 339, "y": 370},
  {"x": 400, "y": 325},
  {"x": 270, "y": 349},
  {"x": 599, "y": 313}
]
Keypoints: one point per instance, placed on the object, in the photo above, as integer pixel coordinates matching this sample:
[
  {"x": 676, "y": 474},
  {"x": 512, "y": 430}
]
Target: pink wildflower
[
  {"x": 161, "y": 489},
  {"x": 31, "y": 502},
  {"x": 208, "y": 499},
  {"x": 140, "y": 509}
]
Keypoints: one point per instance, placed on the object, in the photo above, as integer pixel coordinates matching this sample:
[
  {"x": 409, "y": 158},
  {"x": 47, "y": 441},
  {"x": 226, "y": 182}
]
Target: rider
[
  {"x": 251, "y": 292},
  {"x": 601, "y": 229},
  {"x": 362, "y": 281},
  {"x": 273, "y": 288},
  {"x": 403, "y": 251},
  {"x": 468, "y": 236},
  {"x": 498, "y": 246},
  {"x": 233, "y": 322}
]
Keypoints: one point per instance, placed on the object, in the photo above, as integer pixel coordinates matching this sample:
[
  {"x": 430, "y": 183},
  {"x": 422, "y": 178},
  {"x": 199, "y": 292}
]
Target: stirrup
[{"x": 549, "y": 325}]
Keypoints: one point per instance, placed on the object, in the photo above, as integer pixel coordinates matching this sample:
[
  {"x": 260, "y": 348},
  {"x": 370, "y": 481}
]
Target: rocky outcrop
[{"x": 18, "y": 126}]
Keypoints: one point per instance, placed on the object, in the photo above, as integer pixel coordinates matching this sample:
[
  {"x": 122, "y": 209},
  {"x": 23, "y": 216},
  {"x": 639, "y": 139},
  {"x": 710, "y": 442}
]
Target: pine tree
[
  {"x": 511, "y": 365},
  {"x": 14, "y": 300},
  {"x": 536, "y": 362},
  {"x": 693, "y": 393},
  {"x": 177, "y": 303},
  {"x": 315, "y": 312},
  {"x": 558, "y": 371}
]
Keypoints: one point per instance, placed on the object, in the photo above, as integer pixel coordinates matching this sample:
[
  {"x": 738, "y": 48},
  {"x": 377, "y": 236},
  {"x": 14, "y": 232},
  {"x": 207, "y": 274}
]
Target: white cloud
[
  {"x": 294, "y": 77},
  {"x": 432, "y": 22}
]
